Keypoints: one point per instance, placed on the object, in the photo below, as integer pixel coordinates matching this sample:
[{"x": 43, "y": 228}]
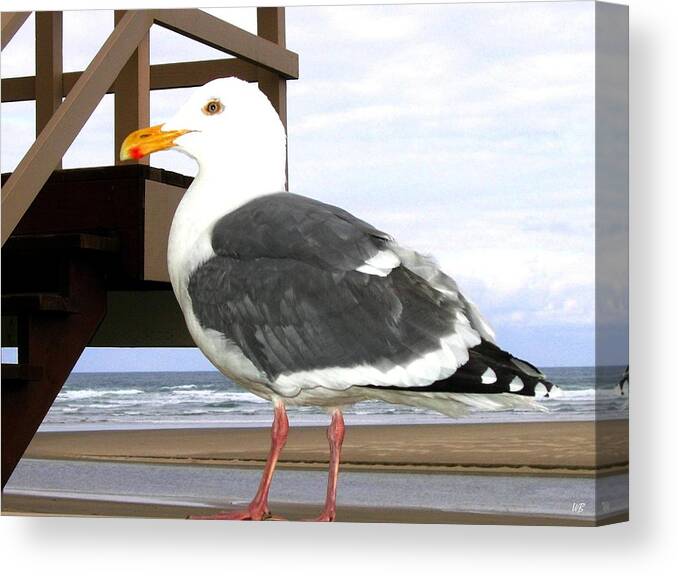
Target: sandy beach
[
  {"x": 535, "y": 448},
  {"x": 555, "y": 452}
]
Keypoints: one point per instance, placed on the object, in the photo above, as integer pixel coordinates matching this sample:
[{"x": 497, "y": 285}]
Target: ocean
[{"x": 123, "y": 400}]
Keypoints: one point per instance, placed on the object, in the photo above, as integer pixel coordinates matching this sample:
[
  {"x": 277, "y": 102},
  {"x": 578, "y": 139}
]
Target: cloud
[
  {"x": 84, "y": 33},
  {"x": 470, "y": 137},
  {"x": 359, "y": 23},
  {"x": 522, "y": 266},
  {"x": 464, "y": 130},
  {"x": 17, "y": 132}
]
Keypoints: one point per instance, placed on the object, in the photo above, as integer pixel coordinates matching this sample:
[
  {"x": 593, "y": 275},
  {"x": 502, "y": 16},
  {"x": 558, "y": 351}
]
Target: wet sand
[{"x": 581, "y": 449}]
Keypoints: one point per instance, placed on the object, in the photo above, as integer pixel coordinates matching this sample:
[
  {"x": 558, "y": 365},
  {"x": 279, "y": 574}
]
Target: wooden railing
[
  {"x": 122, "y": 66},
  {"x": 11, "y": 22}
]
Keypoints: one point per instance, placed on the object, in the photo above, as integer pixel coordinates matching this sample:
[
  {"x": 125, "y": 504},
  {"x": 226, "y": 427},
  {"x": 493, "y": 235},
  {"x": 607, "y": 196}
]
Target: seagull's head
[{"x": 224, "y": 124}]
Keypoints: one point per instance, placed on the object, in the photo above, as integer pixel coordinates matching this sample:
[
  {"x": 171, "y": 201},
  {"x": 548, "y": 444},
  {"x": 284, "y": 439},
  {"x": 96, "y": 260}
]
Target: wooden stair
[
  {"x": 86, "y": 265},
  {"x": 18, "y": 304},
  {"x": 54, "y": 293},
  {"x": 13, "y": 374}
]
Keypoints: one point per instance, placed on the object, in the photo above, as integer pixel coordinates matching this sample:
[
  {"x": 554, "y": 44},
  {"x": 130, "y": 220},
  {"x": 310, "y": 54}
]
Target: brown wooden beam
[
  {"x": 163, "y": 77},
  {"x": 20, "y": 373},
  {"x": 192, "y": 74},
  {"x": 143, "y": 318},
  {"x": 19, "y": 89},
  {"x": 57, "y": 136},
  {"x": 132, "y": 95},
  {"x": 214, "y": 32},
  {"x": 11, "y": 22},
  {"x": 160, "y": 204},
  {"x": 13, "y": 304},
  {"x": 48, "y": 67}
]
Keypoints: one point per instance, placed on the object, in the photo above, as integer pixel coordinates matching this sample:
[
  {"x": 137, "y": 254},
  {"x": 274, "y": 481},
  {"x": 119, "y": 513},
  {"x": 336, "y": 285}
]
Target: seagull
[{"x": 302, "y": 303}]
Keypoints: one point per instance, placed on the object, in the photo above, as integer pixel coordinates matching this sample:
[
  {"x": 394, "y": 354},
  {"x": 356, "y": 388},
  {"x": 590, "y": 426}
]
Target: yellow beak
[{"x": 147, "y": 140}]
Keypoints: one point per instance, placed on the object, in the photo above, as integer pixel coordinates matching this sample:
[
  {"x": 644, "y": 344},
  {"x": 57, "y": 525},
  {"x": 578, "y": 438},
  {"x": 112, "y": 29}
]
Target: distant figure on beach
[
  {"x": 624, "y": 380},
  {"x": 303, "y": 303}
]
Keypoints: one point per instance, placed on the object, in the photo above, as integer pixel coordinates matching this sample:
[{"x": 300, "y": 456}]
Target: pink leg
[
  {"x": 335, "y": 435},
  {"x": 258, "y": 508}
]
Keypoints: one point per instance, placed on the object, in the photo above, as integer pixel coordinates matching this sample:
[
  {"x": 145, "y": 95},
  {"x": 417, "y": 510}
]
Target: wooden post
[
  {"x": 48, "y": 67},
  {"x": 271, "y": 26},
  {"x": 132, "y": 95}
]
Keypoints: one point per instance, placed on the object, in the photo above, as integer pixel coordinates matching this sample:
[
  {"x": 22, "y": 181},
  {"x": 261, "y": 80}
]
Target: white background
[{"x": 647, "y": 543}]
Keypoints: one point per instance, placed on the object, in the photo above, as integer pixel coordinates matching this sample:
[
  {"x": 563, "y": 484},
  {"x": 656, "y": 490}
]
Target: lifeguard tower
[{"x": 84, "y": 250}]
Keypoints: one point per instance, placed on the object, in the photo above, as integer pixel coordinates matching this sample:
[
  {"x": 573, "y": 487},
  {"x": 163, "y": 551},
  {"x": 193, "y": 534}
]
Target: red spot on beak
[{"x": 135, "y": 152}]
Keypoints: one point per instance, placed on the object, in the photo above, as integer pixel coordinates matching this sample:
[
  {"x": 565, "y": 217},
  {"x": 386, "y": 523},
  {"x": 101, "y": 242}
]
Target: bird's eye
[{"x": 212, "y": 107}]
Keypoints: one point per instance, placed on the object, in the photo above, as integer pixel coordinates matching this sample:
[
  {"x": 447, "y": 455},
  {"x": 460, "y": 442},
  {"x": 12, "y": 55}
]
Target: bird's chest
[{"x": 189, "y": 246}]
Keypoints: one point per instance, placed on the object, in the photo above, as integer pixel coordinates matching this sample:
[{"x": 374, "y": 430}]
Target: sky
[{"x": 465, "y": 131}]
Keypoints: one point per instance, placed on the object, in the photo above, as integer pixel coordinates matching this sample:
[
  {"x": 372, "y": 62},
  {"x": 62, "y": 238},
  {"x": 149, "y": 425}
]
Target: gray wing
[
  {"x": 287, "y": 226},
  {"x": 427, "y": 268},
  {"x": 316, "y": 297},
  {"x": 302, "y": 286}
]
